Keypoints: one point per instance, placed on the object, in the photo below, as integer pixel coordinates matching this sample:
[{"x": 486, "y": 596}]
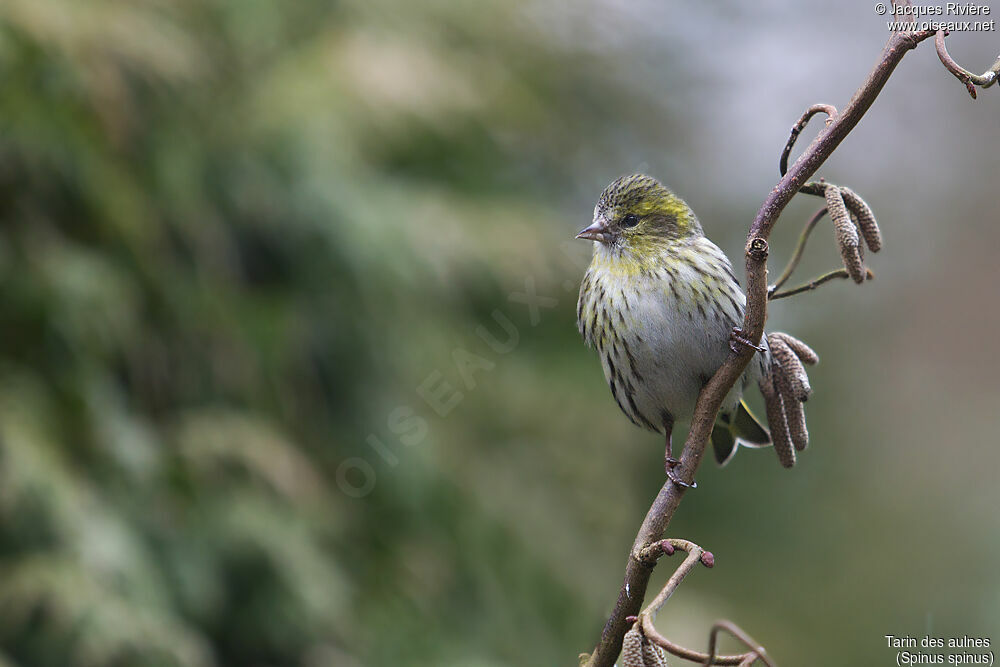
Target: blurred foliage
[
  {"x": 201, "y": 206},
  {"x": 237, "y": 237}
]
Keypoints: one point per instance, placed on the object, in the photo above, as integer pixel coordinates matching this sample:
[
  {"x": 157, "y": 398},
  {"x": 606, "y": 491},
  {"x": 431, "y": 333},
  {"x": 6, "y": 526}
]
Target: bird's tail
[{"x": 740, "y": 427}]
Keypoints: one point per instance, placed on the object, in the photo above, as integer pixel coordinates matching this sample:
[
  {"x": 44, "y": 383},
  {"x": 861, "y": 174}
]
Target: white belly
[
  {"x": 660, "y": 347},
  {"x": 676, "y": 350}
]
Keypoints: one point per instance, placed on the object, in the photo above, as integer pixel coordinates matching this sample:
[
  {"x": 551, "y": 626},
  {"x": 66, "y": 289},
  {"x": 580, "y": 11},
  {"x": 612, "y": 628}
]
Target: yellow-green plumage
[{"x": 659, "y": 302}]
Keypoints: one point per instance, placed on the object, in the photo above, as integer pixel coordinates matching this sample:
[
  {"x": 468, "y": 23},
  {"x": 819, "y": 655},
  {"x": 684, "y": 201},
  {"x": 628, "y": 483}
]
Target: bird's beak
[{"x": 596, "y": 232}]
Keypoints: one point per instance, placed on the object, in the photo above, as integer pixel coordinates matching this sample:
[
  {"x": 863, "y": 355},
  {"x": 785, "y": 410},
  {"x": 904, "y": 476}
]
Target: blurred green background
[{"x": 270, "y": 393}]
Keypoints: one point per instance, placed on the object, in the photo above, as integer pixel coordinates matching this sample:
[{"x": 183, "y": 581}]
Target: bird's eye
[{"x": 630, "y": 220}]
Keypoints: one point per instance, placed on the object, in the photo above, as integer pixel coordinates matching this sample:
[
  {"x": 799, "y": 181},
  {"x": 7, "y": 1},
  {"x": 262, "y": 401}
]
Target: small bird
[{"x": 661, "y": 304}]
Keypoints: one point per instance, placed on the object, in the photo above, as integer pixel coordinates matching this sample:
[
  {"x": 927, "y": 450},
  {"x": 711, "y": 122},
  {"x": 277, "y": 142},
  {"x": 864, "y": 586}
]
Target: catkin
[
  {"x": 632, "y": 649},
  {"x": 791, "y": 369},
  {"x": 865, "y": 218},
  {"x": 776, "y": 420},
  {"x": 847, "y": 234},
  {"x": 637, "y": 651},
  {"x": 797, "y": 429},
  {"x": 795, "y": 413},
  {"x": 803, "y": 351}
]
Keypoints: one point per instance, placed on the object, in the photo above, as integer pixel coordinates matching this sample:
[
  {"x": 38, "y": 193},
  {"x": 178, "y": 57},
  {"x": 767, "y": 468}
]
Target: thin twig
[
  {"x": 756, "y": 649},
  {"x": 695, "y": 555},
  {"x": 816, "y": 282},
  {"x": 814, "y": 188},
  {"x": 984, "y": 80},
  {"x": 695, "y": 656},
  {"x": 710, "y": 399},
  {"x": 799, "y": 249},
  {"x": 828, "y": 109},
  {"x": 652, "y": 553}
]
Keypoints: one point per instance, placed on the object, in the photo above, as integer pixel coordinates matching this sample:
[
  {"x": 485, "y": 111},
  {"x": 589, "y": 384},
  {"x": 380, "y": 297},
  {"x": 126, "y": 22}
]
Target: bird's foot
[
  {"x": 736, "y": 337},
  {"x": 669, "y": 464},
  {"x": 672, "y": 476}
]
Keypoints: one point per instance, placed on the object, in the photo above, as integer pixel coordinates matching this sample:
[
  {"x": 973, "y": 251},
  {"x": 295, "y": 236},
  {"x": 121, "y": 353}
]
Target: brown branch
[
  {"x": 984, "y": 80},
  {"x": 695, "y": 555},
  {"x": 696, "y": 656},
  {"x": 816, "y": 282},
  {"x": 851, "y": 216},
  {"x": 756, "y": 650},
  {"x": 660, "y": 513},
  {"x": 828, "y": 109}
]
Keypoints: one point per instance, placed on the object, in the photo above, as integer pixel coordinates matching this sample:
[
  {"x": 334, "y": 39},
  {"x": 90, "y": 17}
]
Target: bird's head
[{"x": 638, "y": 210}]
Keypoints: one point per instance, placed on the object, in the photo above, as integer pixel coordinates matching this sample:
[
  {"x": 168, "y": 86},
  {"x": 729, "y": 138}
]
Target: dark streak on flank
[
  {"x": 645, "y": 422},
  {"x": 729, "y": 272},
  {"x": 736, "y": 305},
  {"x": 632, "y": 364},
  {"x": 614, "y": 392},
  {"x": 612, "y": 333}
]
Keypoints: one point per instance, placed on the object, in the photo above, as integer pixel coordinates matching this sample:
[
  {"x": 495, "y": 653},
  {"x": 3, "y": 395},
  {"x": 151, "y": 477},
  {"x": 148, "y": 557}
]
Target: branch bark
[
  {"x": 695, "y": 555},
  {"x": 637, "y": 571},
  {"x": 985, "y": 80}
]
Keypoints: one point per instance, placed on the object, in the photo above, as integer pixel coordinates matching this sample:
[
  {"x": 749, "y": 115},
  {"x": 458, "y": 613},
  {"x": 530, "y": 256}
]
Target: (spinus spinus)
[{"x": 660, "y": 303}]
